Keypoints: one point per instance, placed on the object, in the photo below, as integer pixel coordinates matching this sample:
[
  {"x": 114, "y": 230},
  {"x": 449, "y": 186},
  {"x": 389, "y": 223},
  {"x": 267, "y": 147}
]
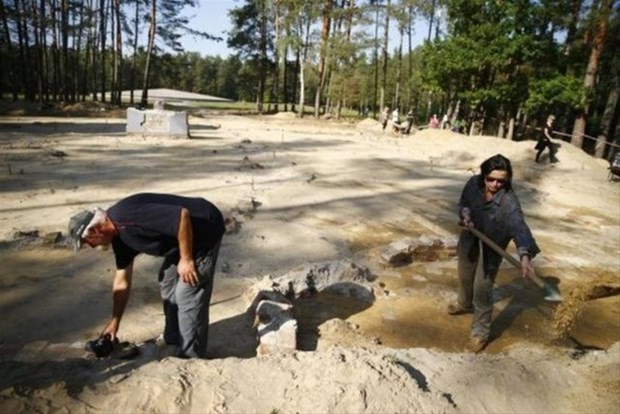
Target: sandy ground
[{"x": 322, "y": 191}]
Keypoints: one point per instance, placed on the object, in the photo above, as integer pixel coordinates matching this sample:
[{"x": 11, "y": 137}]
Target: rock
[
  {"x": 50, "y": 239},
  {"x": 399, "y": 252},
  {"x": 423, "y": 248},
  {"x": 232, "y": 224},
  {"x": 276, "y": 327},
  {"x": 341, "y": 276}
]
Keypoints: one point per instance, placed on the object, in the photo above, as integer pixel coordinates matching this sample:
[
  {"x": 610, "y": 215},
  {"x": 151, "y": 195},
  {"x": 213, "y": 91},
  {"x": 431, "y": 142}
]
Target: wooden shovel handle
[{"x": 516, "y": 263}]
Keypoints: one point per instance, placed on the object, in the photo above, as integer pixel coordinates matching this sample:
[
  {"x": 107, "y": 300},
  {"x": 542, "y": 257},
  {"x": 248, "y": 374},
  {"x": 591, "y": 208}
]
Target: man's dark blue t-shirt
[{"x": 149, "y": 223}]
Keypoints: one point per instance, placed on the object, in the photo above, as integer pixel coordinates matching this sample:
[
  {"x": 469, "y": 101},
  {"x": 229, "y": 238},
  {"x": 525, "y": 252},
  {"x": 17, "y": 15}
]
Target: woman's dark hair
[{"x": 496, "y": 162}]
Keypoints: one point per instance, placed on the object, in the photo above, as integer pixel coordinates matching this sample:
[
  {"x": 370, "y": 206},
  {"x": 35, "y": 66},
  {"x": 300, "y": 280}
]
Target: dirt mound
[
  {"x": 335, "y": 380},
  {"x": 284, "y": 115},
  {"x": 368, "y": 123}
]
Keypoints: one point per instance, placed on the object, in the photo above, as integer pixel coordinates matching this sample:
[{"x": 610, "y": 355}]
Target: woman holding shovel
[{"x": 489, "y": 205}]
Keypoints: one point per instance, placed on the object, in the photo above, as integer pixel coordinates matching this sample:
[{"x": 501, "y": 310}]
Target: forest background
[{"x": 497, "y": 67}]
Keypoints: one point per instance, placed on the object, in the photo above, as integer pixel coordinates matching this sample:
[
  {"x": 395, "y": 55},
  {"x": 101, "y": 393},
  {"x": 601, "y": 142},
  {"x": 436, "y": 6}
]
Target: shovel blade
[{"x": 552, "y": 295}]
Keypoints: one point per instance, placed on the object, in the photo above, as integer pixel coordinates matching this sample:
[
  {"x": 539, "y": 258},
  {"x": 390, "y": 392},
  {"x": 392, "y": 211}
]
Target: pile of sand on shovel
[{"x": 567, "y": 312}]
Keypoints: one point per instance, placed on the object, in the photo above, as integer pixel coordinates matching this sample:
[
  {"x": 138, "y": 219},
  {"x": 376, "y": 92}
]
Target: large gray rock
[{"x": 339, "y": 276}]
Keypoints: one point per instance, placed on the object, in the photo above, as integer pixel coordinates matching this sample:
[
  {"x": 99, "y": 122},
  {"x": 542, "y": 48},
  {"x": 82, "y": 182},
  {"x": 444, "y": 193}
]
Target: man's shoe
[
  {"x": 477, "y": 344},
  {"x": 456, "y": 309}
]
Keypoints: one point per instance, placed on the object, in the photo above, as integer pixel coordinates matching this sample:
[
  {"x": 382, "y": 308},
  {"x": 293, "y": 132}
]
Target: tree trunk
[
  {"x": 579, "y": 126},
  {"x": 94, "y": 79},
  {"x": 571, "y": 30},
  {"x": 276, "y": 72},
  {"x": 262, "y": 59},
  {"x": 285, "y": 96},
  {"x": 334, "y": 60},
  {"x": 347, "y": 59},
  {"x": 615, "y": 142},
  {"x": 511, "y": 129},
  {"x": 410, "y": 58},
  {"x": 45, "y": 65},
  {"x": 9, "y": 45},
  {"x": 37, "y": 30},
  {"x": 399, "y": 68},
  {"x": 56, "y": 68},
  {"x": 87, "y": 72},
  {"x": 325, "y": 29},
  {"x": 385, "y": 54},
  {"x": 80, "y": 62},
  {"x": 302, "y": 62},
  {"x": 64, "y": 32},
  {"x": 432, "y": 18},
  {"x": 118, "y": 56},
  {"x": 149, "y": 53},
  {"x": 295, "y": 76},
  {"x": 610, "y": 109},
  {"x": 24, "y": 48},
  {"x": 102, "y": 40},
  {"x": 132, "y": 73},
  {"x": 376, "y": 58}
]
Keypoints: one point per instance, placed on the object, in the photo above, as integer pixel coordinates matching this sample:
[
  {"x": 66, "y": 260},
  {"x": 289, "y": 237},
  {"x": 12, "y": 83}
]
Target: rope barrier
[{"x": 611, "y": 144}]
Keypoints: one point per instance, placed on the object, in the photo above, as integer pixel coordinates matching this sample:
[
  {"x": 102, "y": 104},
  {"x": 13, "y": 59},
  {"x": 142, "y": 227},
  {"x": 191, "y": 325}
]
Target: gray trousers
[
  {"x": 476, "y": 286},
  {"x": 186, "y": 307}
]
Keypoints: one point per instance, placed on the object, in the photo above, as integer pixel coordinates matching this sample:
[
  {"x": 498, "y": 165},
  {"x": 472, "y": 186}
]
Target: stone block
[
  {"x": 157, "y": 122},
  {"x": 275, "y": 324}
]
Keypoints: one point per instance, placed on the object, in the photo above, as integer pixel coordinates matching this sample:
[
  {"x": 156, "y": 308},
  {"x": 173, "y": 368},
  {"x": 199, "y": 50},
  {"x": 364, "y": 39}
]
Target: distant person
[
  {"x": 433, "y": 122},
  {"x": 489, "y": 204},
  {"x": 384, "y": 117},
  {"x": 409, "y": 121},
  {"x": 396, "y": 120},
  {"x": 457, "y": 127},
  {"x": 445, "y": 124},
  {"x": 186, "y": 232},
  {"x": 544, "y": 141}
]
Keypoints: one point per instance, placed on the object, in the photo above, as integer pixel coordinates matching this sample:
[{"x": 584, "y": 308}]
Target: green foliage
[
  {"x": 493, "y": 59},
  {"x": 559, "y": 92}
]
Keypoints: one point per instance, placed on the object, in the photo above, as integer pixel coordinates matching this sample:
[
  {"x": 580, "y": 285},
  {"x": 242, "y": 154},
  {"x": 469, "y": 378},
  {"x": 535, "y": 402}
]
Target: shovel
[{"x": 551, "y": 293}]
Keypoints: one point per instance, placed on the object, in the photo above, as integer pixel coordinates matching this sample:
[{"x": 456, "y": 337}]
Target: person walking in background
[
  {"x": 187, "y": 233},
  {"x": 445, "y": 123},
  {"x": 544, "y": 141},
  {"x": 396, "y": 120},
  {"x": 409, "y": 121},
  {"x": 384, "y": 117},
  {"x": 489, "y": 204}
]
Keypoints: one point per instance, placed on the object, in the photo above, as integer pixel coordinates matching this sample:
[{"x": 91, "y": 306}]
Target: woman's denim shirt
[{"x": 501, "y": 219}]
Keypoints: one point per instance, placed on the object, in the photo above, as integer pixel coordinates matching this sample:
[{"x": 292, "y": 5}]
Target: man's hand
[
  {"x": 187, "y": 271},
  {"x": 111, "y": 329},
  {"x": 466, "y": 217},
  {"x": 525, "y": 265}
]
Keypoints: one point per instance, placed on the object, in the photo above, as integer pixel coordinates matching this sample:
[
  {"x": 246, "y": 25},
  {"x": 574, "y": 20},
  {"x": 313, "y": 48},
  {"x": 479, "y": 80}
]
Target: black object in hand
[{"x": 102, "y": 346}]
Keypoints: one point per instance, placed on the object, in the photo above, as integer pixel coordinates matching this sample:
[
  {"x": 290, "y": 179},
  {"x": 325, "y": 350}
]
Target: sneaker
[
  {"x": 477, "y": 344},
  {"x": 456, "y": 309}
]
